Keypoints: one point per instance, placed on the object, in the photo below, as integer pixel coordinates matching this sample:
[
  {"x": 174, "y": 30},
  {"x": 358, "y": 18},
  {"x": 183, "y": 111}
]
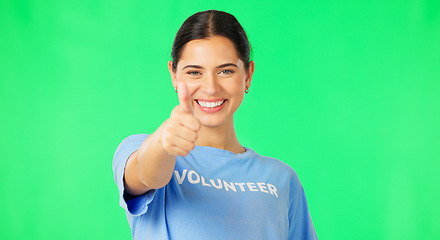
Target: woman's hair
[{"x": 211, "y": 23}]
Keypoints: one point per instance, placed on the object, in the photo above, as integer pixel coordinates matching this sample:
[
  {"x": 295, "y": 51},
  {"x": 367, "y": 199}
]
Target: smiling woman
[
  {"x": 191, "y": 178},
  {"x": 216, "y": 78}
]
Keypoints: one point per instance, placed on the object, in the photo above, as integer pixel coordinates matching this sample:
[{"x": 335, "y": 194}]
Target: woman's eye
[
  {"x": 226, "y": 71},
  {"x": 193, "y": 73}
]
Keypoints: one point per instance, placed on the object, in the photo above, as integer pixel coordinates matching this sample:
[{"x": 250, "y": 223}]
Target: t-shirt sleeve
[
  {"x": 301, "y": 225},
  {"x": 134, "y": 205}
]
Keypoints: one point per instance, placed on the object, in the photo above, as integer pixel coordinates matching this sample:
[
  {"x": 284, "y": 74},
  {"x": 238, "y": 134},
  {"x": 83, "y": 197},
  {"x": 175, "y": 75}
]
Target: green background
[{"x": 347, "y": 93}]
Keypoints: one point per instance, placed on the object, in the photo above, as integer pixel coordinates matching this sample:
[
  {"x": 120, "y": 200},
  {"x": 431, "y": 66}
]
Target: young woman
[{"x": 191, "y": 178}]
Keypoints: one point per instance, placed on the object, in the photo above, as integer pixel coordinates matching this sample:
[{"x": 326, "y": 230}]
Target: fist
[{"x": 181, "y": 129}]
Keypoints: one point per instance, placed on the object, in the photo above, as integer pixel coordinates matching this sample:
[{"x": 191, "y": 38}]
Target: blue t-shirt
[{"x": 217, "y": 194}]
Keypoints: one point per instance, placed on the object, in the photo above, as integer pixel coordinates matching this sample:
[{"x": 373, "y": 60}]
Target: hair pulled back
[{"x": 211, "y": 23}]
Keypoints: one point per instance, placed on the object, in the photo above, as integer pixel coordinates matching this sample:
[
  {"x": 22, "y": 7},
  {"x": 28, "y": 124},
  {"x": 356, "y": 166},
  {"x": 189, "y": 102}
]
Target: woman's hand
[
  {"x": 152, "y": 165},
  {"x": 181, "y": 129}
]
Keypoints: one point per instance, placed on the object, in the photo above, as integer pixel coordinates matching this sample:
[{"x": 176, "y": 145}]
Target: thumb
[{"x": 183, "y": 95}]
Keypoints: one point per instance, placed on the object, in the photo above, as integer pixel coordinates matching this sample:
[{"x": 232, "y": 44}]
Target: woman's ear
[
  {"x": 249, "y": 74},
  {"x": 172, "y": 74}
]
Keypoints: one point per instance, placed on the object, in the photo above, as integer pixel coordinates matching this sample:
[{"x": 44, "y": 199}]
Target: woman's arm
[{"x": 152, "y": 165}]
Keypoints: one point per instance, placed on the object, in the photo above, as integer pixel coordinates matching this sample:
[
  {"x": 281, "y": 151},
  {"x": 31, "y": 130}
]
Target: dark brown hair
[{"x": 211, "y": 23}]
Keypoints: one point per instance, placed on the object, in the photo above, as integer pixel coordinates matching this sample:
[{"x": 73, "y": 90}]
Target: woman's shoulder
[
  {"x": 135, "y": 137},
  {"x": 130, "y": 142},
  {"x": 281, "y": 173},
  {"x": 276, "y": 165}
]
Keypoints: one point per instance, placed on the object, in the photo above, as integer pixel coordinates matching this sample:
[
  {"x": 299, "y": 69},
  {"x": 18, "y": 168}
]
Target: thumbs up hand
[{"x": 181, "y": 129}]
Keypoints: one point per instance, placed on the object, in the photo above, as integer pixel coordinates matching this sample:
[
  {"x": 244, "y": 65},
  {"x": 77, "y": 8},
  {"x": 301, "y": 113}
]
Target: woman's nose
[{"x": 209, "y": 84}]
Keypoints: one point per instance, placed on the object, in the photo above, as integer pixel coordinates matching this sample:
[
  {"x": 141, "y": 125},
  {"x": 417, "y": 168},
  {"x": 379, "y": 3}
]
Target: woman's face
[{"x": 216, "y": 79}]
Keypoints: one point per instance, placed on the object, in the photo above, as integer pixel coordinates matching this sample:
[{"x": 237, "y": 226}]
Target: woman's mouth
[{"x": 210, "y": 105}]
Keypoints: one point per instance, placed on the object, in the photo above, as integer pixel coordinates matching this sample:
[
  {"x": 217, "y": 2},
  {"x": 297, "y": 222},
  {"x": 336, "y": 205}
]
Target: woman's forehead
[{"x": 213, "y": 51}]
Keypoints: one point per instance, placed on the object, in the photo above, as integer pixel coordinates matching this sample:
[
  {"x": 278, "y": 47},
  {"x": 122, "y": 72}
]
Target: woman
[{"x": 191, "y": 178}]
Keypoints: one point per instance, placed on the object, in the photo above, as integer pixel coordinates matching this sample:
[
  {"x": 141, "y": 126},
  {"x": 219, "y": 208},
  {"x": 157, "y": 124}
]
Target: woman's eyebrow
[
  {"x": 227, "y": 65},
  {"x": 193, "y": 66},
  {"x": 219, "y": 66}
]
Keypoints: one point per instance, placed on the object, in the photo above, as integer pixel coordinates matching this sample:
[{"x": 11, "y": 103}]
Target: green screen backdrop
[{"x": 345, "y": 92}]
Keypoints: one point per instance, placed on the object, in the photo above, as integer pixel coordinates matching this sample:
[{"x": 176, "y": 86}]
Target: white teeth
[{"x": 210, "y": 104}]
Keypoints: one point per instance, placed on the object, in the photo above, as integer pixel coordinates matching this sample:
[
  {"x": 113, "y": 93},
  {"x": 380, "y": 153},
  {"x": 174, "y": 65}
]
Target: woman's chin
[{"x": 213, "y": 121}]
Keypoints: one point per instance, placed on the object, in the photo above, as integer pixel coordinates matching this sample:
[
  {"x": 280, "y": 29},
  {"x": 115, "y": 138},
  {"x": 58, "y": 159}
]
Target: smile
[{"x": 210, "y": 104}]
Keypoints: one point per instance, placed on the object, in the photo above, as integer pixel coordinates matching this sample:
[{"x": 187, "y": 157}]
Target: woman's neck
[{"x": 222, "y": 137}]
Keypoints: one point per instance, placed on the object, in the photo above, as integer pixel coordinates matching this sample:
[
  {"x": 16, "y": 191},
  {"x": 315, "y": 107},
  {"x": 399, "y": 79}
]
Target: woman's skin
[{"x": 209, "y": 73}]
